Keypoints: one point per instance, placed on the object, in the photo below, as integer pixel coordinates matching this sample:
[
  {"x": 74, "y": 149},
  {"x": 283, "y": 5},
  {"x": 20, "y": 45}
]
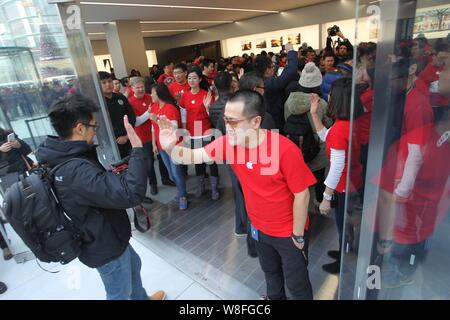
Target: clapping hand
[
  {"x": 208, "y": 99},
  {"x": 167, "y": 134},
  {"x": 314, "y": 103},
  {"x": 132, "y": 136}
]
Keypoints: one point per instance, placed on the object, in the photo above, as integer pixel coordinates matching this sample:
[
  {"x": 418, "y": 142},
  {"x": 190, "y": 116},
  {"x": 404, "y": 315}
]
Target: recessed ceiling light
[
  {"x": 174, "y": 22},
  {"x": 172, "y": 6},
  {"x": 177, "y": 30}
]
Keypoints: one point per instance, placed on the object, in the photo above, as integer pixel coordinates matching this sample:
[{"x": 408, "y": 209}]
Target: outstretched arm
[{"x": 181, "y": 155}]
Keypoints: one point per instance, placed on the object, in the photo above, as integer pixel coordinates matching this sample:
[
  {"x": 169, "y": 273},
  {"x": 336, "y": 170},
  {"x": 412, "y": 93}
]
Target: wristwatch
[
  {"x": 327, "y": 196},
  {"x": 298, "y": 239}
]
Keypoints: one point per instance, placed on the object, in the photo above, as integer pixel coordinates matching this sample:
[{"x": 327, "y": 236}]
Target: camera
[{"x": 333, "y": 30}]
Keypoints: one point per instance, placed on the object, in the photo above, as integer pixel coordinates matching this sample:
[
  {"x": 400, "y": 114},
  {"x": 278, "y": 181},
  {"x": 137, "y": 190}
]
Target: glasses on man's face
[
  {"x": 93, "y": 126},
  {"x": 233, "y": 122}
]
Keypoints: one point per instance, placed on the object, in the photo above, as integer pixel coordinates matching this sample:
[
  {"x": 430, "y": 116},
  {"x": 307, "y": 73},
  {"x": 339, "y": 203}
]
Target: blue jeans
[
  {"x": 176, "y": 172},
  {"x": 122, "y": 277}
]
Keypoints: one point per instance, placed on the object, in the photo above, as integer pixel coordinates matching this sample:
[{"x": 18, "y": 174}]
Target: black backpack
[
  {"x": 298, "y": 129},
  {"x": 36, "y": 215}
]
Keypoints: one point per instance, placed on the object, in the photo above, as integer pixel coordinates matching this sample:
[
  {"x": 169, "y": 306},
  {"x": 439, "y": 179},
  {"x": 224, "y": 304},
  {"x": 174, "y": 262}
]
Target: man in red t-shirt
[
  {"x": 275, "y": 181},
  {"x": 208, "y": 71},
  {"x": 167, "y": 77},
  {"x": 180, "y": 85},
  {"x": 141, "y": 102}
]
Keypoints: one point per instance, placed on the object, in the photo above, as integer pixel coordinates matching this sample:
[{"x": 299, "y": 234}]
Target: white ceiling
[{"x": 109, "y": 13}]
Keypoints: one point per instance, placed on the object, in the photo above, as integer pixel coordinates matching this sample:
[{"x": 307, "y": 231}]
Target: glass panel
[
  {"x": 43, "y": 58},
  {"x": 396, "y": 230}
]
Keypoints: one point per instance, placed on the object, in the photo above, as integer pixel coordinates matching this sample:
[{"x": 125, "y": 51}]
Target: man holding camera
[{"x": 344, "y": 48}]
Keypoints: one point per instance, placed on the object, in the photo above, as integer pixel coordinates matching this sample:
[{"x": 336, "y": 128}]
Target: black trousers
[
  {"x": 200, "y": 169},
  {"x": 3, "y": 244},
  {"x": 148, "y": 147},
  {"x": 284, "y": 264},
  {"x": 124, "y": 149},
  {"x": 242, "y": 224},
  {"x": 319, "y": 187}
]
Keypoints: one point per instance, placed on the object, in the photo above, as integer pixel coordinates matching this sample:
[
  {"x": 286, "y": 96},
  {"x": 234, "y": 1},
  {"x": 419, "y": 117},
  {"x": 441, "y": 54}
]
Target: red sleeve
[
  {"x": 297, "y": 174},
  {"x": 417, "y": 125},
  {"x": 161, "y": 78},
  {"x": 216, "y": 150},
  {"x": 173, "y": 114},
  {"x": 171, "y": 89},
  {"x": 337, "y": 140}
]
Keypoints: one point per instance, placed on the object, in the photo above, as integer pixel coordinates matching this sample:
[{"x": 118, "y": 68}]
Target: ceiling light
[
  {"x": 177, "y": 30},
  {"x": 172, "y": 6},
  {"x": 173, "y": 22},
  {"x": 95, "y": 33}
]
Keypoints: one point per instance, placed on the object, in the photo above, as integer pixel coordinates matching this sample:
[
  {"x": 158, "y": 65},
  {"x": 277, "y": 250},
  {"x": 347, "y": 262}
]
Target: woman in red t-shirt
[
  {"x": 196, "y": 102},
  {"x": 337, "y": 145},
  {"x": 164, "y": 105}
]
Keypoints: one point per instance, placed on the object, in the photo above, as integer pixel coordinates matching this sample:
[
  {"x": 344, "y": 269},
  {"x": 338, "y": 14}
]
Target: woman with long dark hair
[
  {"x": 196, "y": 102},
  {"x": 337, "y": 140},
  {"x": 164, "y": 105}
]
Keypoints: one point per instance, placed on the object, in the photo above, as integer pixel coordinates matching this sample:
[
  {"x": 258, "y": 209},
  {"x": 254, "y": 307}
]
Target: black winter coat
[{"x": 95, "y": 198}]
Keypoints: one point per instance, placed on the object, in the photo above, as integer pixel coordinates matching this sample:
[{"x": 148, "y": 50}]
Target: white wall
[
  {"x": 308, "y": 34},
  {"x": 151, "y": 60}
]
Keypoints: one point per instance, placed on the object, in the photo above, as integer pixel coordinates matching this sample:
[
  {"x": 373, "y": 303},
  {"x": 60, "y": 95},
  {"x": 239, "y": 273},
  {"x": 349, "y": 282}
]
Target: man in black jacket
[
  {"x": 274, "y": 86},
  {"x": 118, "y": 106},
  {"x": 222, "y": 81},
  {"x": 95, "y": 198}
]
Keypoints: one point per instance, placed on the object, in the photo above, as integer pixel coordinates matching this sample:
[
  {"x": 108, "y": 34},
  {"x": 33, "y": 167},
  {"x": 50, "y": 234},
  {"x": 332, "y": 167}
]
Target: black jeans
[
  {"x": 319, "y": 187},
  {"x": 124, "y": 149},
  {"x": 200, "y": 169},
  {"x": 163, "y": 169},
  {"x": 242, "y": 224},
  {"x": 339, "y": 213},
  {"x": 148, "y": 147},
  {"x": 3, "y": 244},
  {"x": 283, "y": 263}
]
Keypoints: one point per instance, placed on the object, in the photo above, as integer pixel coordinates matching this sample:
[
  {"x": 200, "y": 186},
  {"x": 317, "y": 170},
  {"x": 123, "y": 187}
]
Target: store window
[
  {"x": 397, "y": 243},
  {"x": 43, "y": 58}
]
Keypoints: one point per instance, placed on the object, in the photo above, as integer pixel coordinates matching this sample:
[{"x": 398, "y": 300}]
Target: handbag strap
[{"x": 29, "y": 167}]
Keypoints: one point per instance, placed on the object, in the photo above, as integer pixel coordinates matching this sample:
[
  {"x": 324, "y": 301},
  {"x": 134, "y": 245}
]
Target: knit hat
[{"x": 311, "y": 76}]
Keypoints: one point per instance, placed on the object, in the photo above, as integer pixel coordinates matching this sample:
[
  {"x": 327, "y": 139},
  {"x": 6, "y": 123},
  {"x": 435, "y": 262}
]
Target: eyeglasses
[
  {"x": 234, "y": 122},
  {"x": 94, "y": 126}
]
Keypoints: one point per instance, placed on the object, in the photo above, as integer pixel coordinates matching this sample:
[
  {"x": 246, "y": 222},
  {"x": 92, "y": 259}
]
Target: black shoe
[
  {"x": 153, "y": 190},
  {"x": 3, "y": 288},
  {"x": 333, "y": 268},
  {"x": 169, "y": 183},
  {"x": 335, "y": 254},
  {"x": 148, "y": 199}
]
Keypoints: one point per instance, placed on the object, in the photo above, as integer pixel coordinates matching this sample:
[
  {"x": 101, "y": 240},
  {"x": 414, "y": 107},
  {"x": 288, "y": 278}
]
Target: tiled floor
[{"x": 191, "y": 255}]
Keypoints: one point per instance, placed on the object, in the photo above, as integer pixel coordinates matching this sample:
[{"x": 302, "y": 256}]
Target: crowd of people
[{"x": 281, "y": 125}]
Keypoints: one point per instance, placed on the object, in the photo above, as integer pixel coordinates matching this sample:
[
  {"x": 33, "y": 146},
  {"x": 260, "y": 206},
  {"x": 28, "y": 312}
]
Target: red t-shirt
[
  {"x": 338, "y": 138},
  {"x": 170, "y": 111},
  {"x": 429, "y": 201},
  {"x": 430, "y": 75},
  {"x": 175, "y": 88},
  {"x": 270, "y": 174},
  {"x": 362, "y": 124},
  {"x": 197, "y": 119},
  {"x": 140, "y": 106},
  {"x": 166, "y": 79},
  {"x": 417, "y": 118}
]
